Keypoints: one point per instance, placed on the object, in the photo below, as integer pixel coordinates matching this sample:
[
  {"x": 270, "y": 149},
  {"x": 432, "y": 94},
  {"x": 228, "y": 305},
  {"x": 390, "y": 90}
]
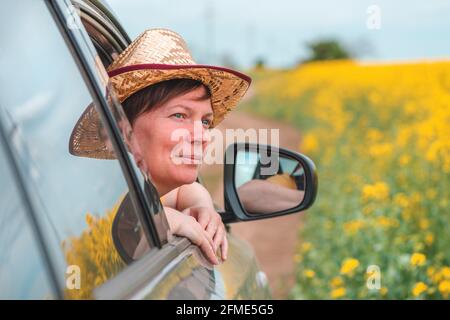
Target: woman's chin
[
  {"x": 186, "y": 175},
  {"x": 175, "y": 176}
]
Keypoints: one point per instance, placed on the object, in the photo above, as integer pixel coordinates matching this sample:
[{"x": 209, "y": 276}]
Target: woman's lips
[
  {"x": 190, "y": 159},
  {"x": 193, "y": 156}
]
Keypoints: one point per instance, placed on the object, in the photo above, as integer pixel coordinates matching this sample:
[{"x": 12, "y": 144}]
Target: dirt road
[{"x": 274, "y": 240}]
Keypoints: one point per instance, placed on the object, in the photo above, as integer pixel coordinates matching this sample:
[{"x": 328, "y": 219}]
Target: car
[{"x": 67, "y": 223}]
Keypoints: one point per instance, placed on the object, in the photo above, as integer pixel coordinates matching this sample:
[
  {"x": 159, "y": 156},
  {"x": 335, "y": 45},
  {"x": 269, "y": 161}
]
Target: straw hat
[{"x": 157, "y": 55}]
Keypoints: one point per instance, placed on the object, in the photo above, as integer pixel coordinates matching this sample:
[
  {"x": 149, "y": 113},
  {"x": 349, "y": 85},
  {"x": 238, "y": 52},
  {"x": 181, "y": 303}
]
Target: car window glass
[
  {"x": 23, "y": 274},
  {"x": 77, "y": 198}
]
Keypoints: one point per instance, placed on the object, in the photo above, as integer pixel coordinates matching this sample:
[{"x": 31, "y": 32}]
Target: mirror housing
[{"x": 234, "y": 209}]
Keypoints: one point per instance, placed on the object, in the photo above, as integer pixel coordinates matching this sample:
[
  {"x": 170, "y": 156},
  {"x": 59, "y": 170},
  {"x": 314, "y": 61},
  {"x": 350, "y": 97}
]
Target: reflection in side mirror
[
  {"x": 268, "y": 188},
  {"x": 264, "y": 181}
]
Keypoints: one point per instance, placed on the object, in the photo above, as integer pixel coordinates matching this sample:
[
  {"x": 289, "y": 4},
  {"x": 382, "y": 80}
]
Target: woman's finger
[
  {"x": 224, "y": 248},
  {"x": 208, "y": 251},
  {"x": 203, "y": 217},
  {"x": 199, "y": 238},
  {"x": 205, "y": 243},
  {"x": 211, "y": 229},
  {"x": 218, "y": 237}
]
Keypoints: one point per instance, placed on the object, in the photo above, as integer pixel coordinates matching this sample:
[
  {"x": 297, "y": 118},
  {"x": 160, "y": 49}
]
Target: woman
[{"x": 171, "y": 102}]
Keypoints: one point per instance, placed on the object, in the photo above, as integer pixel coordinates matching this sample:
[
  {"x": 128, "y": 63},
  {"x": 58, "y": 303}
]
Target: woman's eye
[
  {"x": 178, "y": 115},
  {"x": 206, "y": 122}
]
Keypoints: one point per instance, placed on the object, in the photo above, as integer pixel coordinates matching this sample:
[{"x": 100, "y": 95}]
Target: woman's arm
[
  {"x": 194, "y": 200},
  {"x": 193, "y": 195},
  {"x": 188, "y": 196},
  {"x": 260, "y": 196}
]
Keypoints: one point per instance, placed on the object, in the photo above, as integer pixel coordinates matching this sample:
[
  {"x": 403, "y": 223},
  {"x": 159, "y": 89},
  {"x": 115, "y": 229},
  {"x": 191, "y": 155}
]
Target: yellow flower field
[{"x": 380, "y": 136}]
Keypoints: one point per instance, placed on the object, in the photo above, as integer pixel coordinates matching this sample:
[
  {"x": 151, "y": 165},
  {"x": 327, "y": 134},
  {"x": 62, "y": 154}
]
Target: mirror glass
[{"x": 267, "y": 182}]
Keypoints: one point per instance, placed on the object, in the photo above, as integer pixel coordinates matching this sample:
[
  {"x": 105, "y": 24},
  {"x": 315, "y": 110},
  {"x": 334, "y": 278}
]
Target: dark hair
[{"x": 157, "y": 94}]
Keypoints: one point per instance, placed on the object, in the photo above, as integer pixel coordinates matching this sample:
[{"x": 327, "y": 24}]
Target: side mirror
[{"x": 261, "y": 181}]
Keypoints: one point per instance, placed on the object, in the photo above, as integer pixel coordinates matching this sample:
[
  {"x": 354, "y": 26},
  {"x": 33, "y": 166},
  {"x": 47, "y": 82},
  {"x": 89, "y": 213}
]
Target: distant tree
[
  {"x": 327, "y": 50},
  {"x": 260, "y": 63}
]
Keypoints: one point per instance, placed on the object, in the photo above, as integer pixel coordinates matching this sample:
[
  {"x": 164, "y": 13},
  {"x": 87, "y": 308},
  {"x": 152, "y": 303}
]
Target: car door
[{"x": 51, "y": 73}]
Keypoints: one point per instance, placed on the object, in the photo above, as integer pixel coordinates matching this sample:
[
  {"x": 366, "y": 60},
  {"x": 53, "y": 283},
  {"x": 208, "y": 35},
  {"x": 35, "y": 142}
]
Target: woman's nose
[{"x": 199, "y": 134}]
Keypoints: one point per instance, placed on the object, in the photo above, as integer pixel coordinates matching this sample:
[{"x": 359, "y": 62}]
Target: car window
[
  {"x": 77, "y": 198},
  {"x": 23, "y": 274}
]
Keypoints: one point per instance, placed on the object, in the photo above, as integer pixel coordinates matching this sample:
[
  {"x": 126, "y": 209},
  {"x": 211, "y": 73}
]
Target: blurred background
[{"x": 362, "y": 88}]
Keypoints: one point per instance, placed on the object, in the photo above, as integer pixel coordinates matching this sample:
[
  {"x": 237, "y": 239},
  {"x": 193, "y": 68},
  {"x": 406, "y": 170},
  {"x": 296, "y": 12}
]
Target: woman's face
[{"x": 173, "y": 138}]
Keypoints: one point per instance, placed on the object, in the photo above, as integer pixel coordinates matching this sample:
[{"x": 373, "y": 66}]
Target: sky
[{"x": 239, "y": 32}]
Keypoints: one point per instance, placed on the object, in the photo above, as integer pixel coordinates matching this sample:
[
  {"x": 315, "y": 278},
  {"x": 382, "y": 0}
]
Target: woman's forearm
[
  {"x": 193, "y": 195},
  {"x": 259, "y": 196}
]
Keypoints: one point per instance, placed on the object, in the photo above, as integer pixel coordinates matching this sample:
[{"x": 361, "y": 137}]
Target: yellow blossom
[
  {"x": 374, "y": 135},
  {"x": 444, "y": 288},
  {"x": 353, "y": 226},
  {"x": 310, "y": 144},
  {"x": 418, "y": 259},
  {"x": 386, "y": 222},
  {"x": 377, "y": 191},
  {"x": 381, "y": 149},
  {"x": 349, "y": 265},
  {"x": 442, "y": 274},
  {"x": 429, "y": 239},
  {"x": 401, "y": 200},
  {"x": 338, "y": 293},
  {"x": 306, "y": 246},
  {"x": 445, "y": 271},
  {"x": 308, "y": 273},
  {"x": 336, "y": 282},
  {"x": 419, "y": 288}
]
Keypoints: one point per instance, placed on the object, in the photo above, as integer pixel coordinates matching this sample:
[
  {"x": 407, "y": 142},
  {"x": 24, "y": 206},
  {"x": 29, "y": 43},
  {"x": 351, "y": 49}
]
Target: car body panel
[{"x": 189, "y": 277}]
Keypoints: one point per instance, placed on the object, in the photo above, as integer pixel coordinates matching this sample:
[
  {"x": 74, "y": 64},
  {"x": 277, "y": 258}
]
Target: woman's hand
[
  {"x": 211, "y": 222},
  {"x": 195, "y": 202},
  {"x": 185, "y": 225}
]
